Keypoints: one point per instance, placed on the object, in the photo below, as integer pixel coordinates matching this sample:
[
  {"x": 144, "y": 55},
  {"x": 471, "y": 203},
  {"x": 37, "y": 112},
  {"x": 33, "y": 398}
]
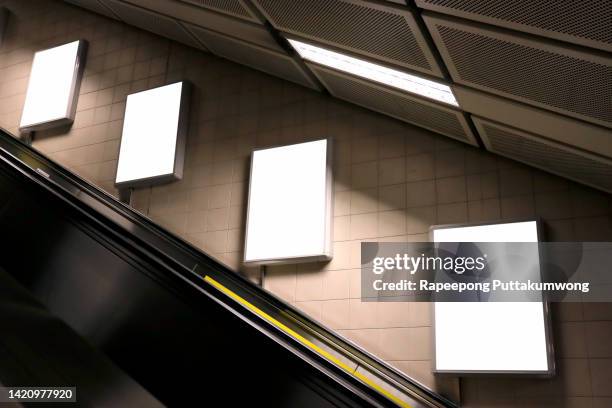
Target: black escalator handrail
[
  {"x": 79, "y": 202},
  {"x": 181, "y": 257}
]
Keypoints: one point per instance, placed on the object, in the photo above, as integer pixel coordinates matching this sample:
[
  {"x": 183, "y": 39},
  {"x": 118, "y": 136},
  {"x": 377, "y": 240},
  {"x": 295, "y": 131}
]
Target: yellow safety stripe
[{"x": 305, "y": 342}]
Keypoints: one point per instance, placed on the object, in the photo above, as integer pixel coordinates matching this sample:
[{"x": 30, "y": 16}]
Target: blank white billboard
[
  {"x": 53, "y": 87},
  {"x": 493, "y": 337},
  {"x": 153, "y": 138},
  {"x": 290, "y": 204}
]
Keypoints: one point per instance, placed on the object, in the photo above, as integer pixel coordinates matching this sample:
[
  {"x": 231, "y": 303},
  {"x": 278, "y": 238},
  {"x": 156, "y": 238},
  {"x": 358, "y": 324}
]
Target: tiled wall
[{"x": 392, "y": 182}]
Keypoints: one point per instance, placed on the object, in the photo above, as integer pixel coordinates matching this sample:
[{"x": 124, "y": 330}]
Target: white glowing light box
[
  {"x": 153, "y": 140},
  {"x": 374, "y": 72},
  {"x": 290, "y": 204},
  {"x": 53, "y": 88},
  {"x": 494, "y": 337}
]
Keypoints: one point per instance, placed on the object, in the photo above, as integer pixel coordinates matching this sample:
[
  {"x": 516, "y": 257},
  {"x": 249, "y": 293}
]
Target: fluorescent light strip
[{"x": 374, "y": 72}]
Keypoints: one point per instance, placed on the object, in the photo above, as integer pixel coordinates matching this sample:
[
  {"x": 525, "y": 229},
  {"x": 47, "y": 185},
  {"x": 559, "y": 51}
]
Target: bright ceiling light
[
  {"x": 153, "y": 139},
  {"x": 53, "y": 87},
  {"x": 374, "y": 72}
]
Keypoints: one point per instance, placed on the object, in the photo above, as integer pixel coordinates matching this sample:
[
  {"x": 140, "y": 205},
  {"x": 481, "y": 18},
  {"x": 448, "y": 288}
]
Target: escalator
[{"x": 154, "y": 316}]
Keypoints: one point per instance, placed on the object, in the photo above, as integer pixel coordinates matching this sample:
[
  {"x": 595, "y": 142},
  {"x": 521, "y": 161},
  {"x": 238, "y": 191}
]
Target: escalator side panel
[
  {"x": 163, "y": 341},
  {"x": 38, "y": 349}
]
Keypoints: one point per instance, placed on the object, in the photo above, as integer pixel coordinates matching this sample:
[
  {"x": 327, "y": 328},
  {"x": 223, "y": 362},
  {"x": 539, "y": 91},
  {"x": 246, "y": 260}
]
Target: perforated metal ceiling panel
[
  {"x": 547, "y": 155},
  {"x": 150, "y": 21},
  {"x": 541, "y": 122},
  {"x": 256, "y": 57},
  {"x": 562, "y": 79},
  {"x": 584, "y": 22},
  {"x": 251, "y": 33},
  {"x": 235, "y": 8},
  {"x": 387, "y": 33},
  {"x": 410, "y": 109},
  {"x": 93, "y": 5},
  {"x": 198, "y": 16}
]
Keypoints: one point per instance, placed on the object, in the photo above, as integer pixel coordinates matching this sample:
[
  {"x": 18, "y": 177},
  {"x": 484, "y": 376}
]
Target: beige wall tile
[
  {"x": 394, "y": 314},
  {"x": 484, "y": 210},
  {"x": 309, "y": 284},
  {"x": 354, "y": 283},
  {"x": 364, "y": 175},
  {"x": 422, "y": 343},
  {"x": 482, "y": 186},
  {"x": 570, "y": 312},
  {"x": 515, "y": 182},
  {"x": 392, "y": 171},
  {"x": 342, "y": 256},
  {"x": 217, "y": 219},
  {"x": 599, "y": 339},
  {"x": 450, "y": 163},
  {"x": 593, "y": 228},
  {"x": 602, "y": 402},
  {"x": 342, "y": 178},
  {"x": 397, "y": 343},
  {"x": 545, "y": 182},
  {"x": 391, "y": 223},
  {"x": 335, "y": 313},
  {"x": 586, "y": 202},
  {"x": 451, "y": 190},
  {"x": 311, "y": 308},
  {"x": 559, "y": 230},
  {"x": 342, "y": 203},
  {"x": 392, "y": 197},
  {"x": 336, "y": 284},
  {"x": 219, "y": 196},
  {"x": 282, "y": 280},
  {"x": 364, "y": 226},
  {"x": 421, "y": 314},
  {"x": 601, "y": 376},
  {"x": 196, "y": 221},
  {"x": 363, "y": 315},
  {"x": 570, "y": 339},
  {"x": 420, "y": 167},
  {"x": 419, "y": 141},
  {"x": 452, "y": 213},
  {"x": 392, "y": 145},
  {"x": 419, "y": 219},
  {"x": 517, "y": 207},
  {"x": 341, "y": 229},
  {"x": 593, "y": 311},
  {"x": 574, "y": 377},
  {"x": 363, "y": 201},
  {"x": 341, "y": 151},
  {"x": 421, "y": 193},
  {"x": 553, "y": 205},
  {"x": 364, "y": 149},
  {"x": 139, "y": 199},
  {"x": 406, "y": 343}
]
